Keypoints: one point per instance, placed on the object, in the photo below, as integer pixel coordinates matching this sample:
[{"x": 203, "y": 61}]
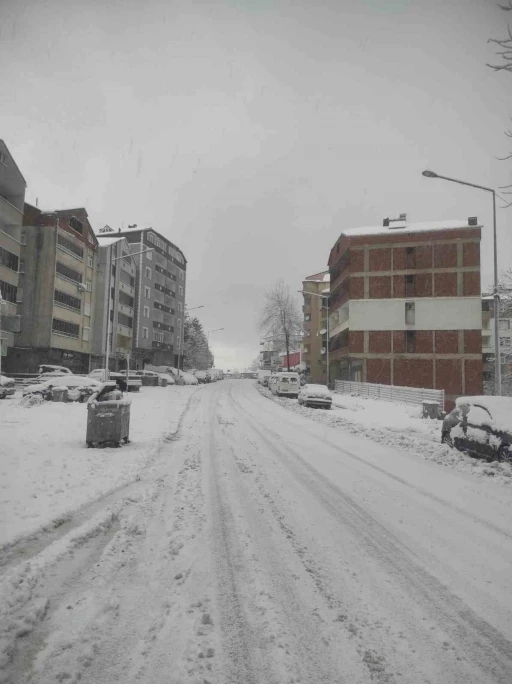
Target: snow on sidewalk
[
  {"x": 399, "y": 426},
  {"x": 46, "y": 470}
]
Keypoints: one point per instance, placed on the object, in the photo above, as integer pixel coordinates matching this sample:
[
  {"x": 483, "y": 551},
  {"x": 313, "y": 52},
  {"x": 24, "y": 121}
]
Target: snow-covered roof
[
  {"x": 404, "y": 227},
  {"x": 106, "y": 242},
  {"x": 500, "y": 409},
  {"x": 323, "y": 277}
]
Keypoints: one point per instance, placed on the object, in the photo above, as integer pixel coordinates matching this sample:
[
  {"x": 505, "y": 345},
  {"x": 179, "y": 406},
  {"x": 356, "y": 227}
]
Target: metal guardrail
[{"x": 401, "y": 395}]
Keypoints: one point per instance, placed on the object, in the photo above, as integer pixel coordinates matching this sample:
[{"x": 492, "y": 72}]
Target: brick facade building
[{"x": 405, "y": 306}]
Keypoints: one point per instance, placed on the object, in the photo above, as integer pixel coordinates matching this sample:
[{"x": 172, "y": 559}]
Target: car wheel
[
  {"x": 505, "y": 453},
  {"x": 446, "y": 439}
]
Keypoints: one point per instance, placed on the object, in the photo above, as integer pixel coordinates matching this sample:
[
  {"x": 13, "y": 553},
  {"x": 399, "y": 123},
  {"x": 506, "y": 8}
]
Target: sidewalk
[{"x": 46, "y": 470}]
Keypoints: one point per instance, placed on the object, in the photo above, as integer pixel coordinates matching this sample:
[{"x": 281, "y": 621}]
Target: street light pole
[
  {"x": 183, "y": 336},
  {"x": 110, "y": 262},
  {"x": 497, "y": 351}
]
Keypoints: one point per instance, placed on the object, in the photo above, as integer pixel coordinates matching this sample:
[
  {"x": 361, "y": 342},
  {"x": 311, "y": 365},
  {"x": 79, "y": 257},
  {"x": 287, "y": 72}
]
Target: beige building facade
[
  {"x": 12, "y": 199},
  {"x": 58, "y": 263},
  {"x": 314, "y": 343}
]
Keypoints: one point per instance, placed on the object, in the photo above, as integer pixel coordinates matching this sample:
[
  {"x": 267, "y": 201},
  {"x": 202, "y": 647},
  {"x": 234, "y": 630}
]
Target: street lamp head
[{"x": 429, "y": 174}]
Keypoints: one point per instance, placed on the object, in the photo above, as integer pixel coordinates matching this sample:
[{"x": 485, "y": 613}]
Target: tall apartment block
[
  {"x": 314, "y": 343},
  {"x": 160, "y": 297},
  {"x": 115, "y": 299},
  {"x": 12, "y": 199},
  {"x": 406, "y": 305},
  {"x": 57, "y": 278}
]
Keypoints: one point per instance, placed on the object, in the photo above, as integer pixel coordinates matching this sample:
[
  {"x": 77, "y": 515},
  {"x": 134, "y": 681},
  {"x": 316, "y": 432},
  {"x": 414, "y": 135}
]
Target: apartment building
[
  {"x": 405, "y": 305},
  {"x": 115, "y": 300},
  {"x": 57, "y": 279},
  {"x": 314, "y": 346},
  {"x": 159, "y": 298},
  {"x": 12, "y": 199}
]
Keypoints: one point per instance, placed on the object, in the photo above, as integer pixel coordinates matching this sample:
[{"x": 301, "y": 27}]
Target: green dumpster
[{"x": 108, "y": 422}]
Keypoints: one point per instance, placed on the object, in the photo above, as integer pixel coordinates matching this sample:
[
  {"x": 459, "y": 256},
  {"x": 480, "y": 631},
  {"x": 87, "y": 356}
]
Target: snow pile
[
  {"x": 46, "y": 470},
  {"x": 396, "y": 425}
]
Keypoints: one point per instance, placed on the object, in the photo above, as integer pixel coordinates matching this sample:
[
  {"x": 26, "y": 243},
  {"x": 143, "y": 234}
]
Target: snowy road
[{"x": 262, "y": 547}]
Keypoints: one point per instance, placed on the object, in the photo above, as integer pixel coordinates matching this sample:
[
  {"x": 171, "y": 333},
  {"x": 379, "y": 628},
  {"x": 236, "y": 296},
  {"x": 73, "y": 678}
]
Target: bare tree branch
[{"x": 280, "y": 316}]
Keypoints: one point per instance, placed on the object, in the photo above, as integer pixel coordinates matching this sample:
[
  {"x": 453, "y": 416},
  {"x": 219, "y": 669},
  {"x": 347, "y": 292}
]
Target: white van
[
  {"x": 263, "y": 376},
  {"x": 285, "y": 384}
]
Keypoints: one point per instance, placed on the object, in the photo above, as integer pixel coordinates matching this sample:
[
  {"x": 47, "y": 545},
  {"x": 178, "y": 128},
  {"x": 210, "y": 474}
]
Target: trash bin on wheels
[
  {"x": 163, "y": 382},
  {"x": 108, "y": 420},
  {"x": 431, "y": 410}
]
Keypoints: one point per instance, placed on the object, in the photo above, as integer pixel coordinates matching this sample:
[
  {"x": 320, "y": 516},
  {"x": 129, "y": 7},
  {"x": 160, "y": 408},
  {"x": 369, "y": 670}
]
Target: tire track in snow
[{"x": 482, "y": 644}]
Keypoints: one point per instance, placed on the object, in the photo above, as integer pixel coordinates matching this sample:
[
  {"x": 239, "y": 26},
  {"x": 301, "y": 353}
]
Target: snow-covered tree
[
  {"x": 280, "y": 316},
  {"x": 197, "y": 353}
]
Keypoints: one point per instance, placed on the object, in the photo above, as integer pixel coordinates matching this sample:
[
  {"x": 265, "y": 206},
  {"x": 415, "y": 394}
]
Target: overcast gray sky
[{"x": 251, "y": 132}]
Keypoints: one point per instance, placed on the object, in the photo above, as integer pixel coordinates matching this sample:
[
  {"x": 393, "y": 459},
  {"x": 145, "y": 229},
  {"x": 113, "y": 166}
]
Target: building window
[
  {"x": 77, "y": 225},
  {"x": 86, "y": 334},
  {"x": 127, "y": 321},
  {"x": 87, "y": 309},
  {"x": 181, "y": 290},
  {"x": 410, "y": 313},
  {"x": 149, "y": 256},
  {"x": 151, "y": 238},
  {"x": 146, "y": 312},
  {"x": 67, "y": 273},
  {"x": 8, "y": 291},
  {"x": 181, "y": 275},
  {"x": 67, "y": 245},
  {"x": 410, "y": 257},
  {"x": 90, "y": 262},
  {"x": 125, "y": 299},
  {"x": 158, "y": 336},
  {"x": 180, "y": 307},
  {"x": 147, "y": 273},
  {"x": 147, "y": 292},
  {"x": 410, "y": 286},
  {"x": 145, "y": 333},
  {"x": 19, "y": 295},
  {"x": 410, "y": 341},
  {"x": 486, "y": 341},
  {"x": 9, "y": 259},
  {"x": 126, "y": 278},
  {"x": 23, "y": 239},
  {"x": 66, "y": 300},
  {"x": 487, "y": 306},
  {"x": 504, "y": 324},
  {"x": 65, "y": 328}
]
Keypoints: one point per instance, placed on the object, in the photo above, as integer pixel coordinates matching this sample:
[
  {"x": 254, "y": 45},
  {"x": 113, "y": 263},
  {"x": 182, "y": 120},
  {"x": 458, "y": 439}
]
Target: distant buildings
[
  {"x": 405, "y": 305},
  {"x": 12, "y": 199},
  {"x": 116, "y": 280},
  {"x": 314, "y": 344},
  {"x": 505, "y": 326},
  {"x": 159, "y": 297}
]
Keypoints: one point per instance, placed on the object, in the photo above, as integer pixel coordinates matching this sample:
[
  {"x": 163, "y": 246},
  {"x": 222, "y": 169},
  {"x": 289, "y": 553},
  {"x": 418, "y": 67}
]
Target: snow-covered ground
[
  {"x": 262, "y": 547},
  {"x": 396, "y": 425},
  {"x": 46, "y": 470}
]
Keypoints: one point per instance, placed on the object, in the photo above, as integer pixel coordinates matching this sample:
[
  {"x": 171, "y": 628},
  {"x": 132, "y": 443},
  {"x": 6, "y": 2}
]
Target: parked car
[
  {"x": 7, "y": 387},
  {"x": 203, "y": 377},
  {"x": 70, "y": 381},
  {"x": 480, "y": 426},
  {"x": 315, "y": 395},
  {"x": 54, "y": 370},
  {"x": 185, "y": 377},
  {"x": 151, "y": 373},
  {"x": 134, "y": 383},
  {"x": 263, "y": 377},
  {"x": 285, "y": 384}
]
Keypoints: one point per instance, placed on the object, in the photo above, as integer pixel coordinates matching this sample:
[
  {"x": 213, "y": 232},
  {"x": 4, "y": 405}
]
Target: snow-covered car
[
  {"x": 185, "y": 378},
  {"x": 315, "y": 395},
  {"x": 263, "y": 377},
  {"x": 202, "y": 376},
  {"x": 134, "y": 383},
  {"x": 54, "y": 370},
  {"x": 480, "y": 426},
  {"x": 285, "y": 384},
  {"x": 69, "y": 381},
  {"x": 7, "y": 387},
  {"x": 154, "y": 374}
]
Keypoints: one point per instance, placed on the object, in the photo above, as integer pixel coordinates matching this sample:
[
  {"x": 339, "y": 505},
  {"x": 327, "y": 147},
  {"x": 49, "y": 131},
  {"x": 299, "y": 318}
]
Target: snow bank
[
  {"x": 46, "y": 470},
  {"x": 399, "y": 426}
]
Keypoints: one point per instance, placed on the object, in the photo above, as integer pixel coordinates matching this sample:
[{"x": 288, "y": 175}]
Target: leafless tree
[
  {"x": 280, "y": 316},
  {"x": 504, "y": 45}
]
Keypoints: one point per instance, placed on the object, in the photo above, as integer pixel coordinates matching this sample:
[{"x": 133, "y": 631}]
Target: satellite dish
[
  {"x": 323, "y": 331},
  {"x": 323, "y": 350}
]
